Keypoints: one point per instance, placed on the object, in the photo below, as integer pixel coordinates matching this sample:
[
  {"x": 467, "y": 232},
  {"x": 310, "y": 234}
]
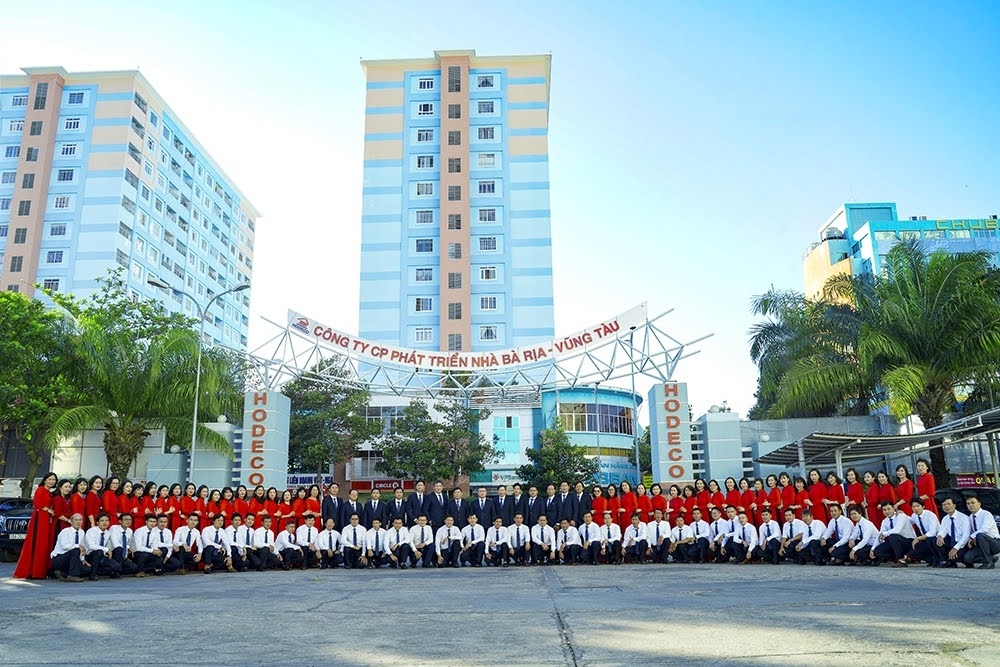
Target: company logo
[{"x": 302, "y": 325}]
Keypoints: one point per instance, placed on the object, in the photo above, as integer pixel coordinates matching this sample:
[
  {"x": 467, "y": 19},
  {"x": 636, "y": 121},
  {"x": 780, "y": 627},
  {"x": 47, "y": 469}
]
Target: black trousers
[
  {"x": 185, "y": 558},
  {"x": 660, "y": 550},
  {"x": 843, "y": 552},
  {"x": 810, "y": 552},
  {"x": 986, "y": 548},
  {"x": 291, "y": 558},
  {"x": 571, "y": 553},
  {"x": 426, "y": 557},
  {"x": 923, "y": 551},
  {"x": 241, "y": 560},
  {"x": 498, "y": 554},
  {"x": 740, "y": 551},
  {"x": 613, "y": 551},
  {"x": 402, "y": 553},
  {"x": 352, "y": 557},
  {"x": 941, "y": 553},
  {"x": 330, "y": 559},
  {"x": 213, "y": 555},
  {"x": 700, "y": 550},
  {"x": 591, "y": 553},
  {"x": 102, "y": 564},
  {"x": 768, "y": 551},
  {"x": 539, "y": 555},
  {"x": 473, "y": 555},
  {"x": 266, "y": 559},
  {"x": 148, "y": 562},
  {"x": 70, "y": 564},
  {"x": 126, "y": 563},
  {"x": 521, "y": 555},
  {"x": 637, "y": 551}
]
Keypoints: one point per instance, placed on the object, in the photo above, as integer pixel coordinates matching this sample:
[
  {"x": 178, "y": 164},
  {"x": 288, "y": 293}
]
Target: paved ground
[{"x": 628, "y": 615}]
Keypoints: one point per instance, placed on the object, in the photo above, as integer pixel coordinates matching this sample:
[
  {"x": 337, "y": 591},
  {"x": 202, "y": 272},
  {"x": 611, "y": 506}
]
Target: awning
[{"x": 838, "y": 448}]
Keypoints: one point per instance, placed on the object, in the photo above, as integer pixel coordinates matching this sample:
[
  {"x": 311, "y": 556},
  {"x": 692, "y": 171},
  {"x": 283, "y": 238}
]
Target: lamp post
[{"x": 156, "y": 282}]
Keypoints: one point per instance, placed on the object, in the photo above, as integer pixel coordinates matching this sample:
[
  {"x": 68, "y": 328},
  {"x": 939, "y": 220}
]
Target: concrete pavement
[{"x": 582, "y": 615}]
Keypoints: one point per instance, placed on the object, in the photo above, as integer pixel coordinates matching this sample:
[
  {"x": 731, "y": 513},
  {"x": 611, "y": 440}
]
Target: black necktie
[
  {"x": 76, "y": 538},
  {"x": 920, "y": 522},
  {"x": 973, "y": 523}
]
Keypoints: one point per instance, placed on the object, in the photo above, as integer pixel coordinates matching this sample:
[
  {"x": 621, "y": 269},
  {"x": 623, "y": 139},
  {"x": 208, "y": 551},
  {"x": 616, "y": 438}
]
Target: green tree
[
  {"x": 35, "y": 357},
  {"x": 557, "y": 459},
  {"x": 328, "y": 419},
  {"x": 645, "y": 453},
  {"x": 467, "y": 451}
]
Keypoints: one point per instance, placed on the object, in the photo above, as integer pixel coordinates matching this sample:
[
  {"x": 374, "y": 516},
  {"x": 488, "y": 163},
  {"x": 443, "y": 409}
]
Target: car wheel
[{"x": 8, "y": 556}]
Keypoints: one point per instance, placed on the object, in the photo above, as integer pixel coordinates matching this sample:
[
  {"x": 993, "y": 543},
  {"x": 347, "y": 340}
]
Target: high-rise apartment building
[
  {"x": 456, "y": 249},
  {"x": 97, "y": 172}
]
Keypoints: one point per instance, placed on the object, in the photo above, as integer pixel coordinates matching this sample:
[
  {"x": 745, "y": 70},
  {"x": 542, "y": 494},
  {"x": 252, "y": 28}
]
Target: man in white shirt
[
  {"x": 702, "y": 534},
  {"x": 473, "y": 542},
  {"x": 328, "y": 543},
  {"x": 216, "y": 548},
  {"x": 768, "y": 538},
  {"x": 305, "y": 537},
  {"x": 422, "y": 543},
  {"x": 239, "y": 542},
  {"x": 925, "y": 530},
  {"x": 265, "y": 550},
  {"x": 791, "y": 534},
  {"x": 68, "y": 562},
  {"x": 984, "y": 540},
  {"x": 375, "y": 544},
  {"x": 683, "y": 548},
  {"x": 519, "y": 536},
  {"x": 635, "y": 541},
  {"x": 251, "y": 550},
  {"x": 743, "y": 540},
  {"x": 658, "y": 531},
  {"x": 568, "y": 543},
  {"x": 121, "y": 535},
  {"x": 809, "y": 547},
  {"x": 894, "y": 538},
  {"x": 99, "y": 549},
  {"x": 543, "y": 542},
  {"x": 148, "y": 558},
  {"x": 497, "y": 543},
  {"x": 163, "y": 541},
  {"x": 286, "y": 544},
  {"x": 448, "y": 543},
  {"x": 837, "y": 535},
  {"x": 953, "y": 535},
  {"x": 590, "y": 536},
  {"x": 397, "y": 546},
  {"x": 611, "y": 540},
  {"x": 863, "y": 538},
  {"x": 187, "y": 545},
  {"x": 718, "y": 534},
  {"x": 352, "y": 543}
]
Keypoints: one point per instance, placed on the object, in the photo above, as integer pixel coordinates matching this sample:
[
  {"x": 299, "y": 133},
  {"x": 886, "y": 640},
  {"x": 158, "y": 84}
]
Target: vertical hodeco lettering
[
  {"x": 673, "y": 424},
  {"x": 257, "y": 432},
  {"x": 260, "y": 398}
]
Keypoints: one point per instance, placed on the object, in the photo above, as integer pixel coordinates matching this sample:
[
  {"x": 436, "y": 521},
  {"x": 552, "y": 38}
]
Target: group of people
[{"x": 87, "y": 529}]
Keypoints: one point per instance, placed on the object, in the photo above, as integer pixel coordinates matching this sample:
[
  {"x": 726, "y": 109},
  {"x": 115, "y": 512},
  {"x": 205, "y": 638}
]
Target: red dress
[
  {"x": 201, "y": 509},
  {"x": 660, "y": 503},
  {"x": 746, "y": 499},
  {"x": 800, "y": 499},
  {"x": 885, "y": 492},
  {"x": 927, "y": 487},
  {"x": 314, "y": 507},
  {"x": 817, "y": 494},
  {"x": 271, "y": 508},
  {"x": 759, "y": 497},
  {"x": 213, "y": 509},
  {"x": 645, "y": 506},
  {"x": 855, "y": 494},
  {"x": 33, "y": 562},
  {"x": 904, "y": 492},
  {"x": 874, "y": 513},
  {"x": 704, "y": 497},
  {"x": 226, "y": 507},
  {"x": 733, "y": 498},
  {"x": 718, "y": 500},
  {"x": 256, "y": 508},
  {"x": 133, "y": 506},
  {"x": 597, "y": 507},
  {"x": 146, "y": 506},
  {"x": 241, "y": 507},
  {"x": 60, "y": 505},
  {"x": 690, "y": 502},
  {"x": 774, "y": 503},
  {"x": 676, "y": 506},
  {"x": 787, "y": 500},
  {"x": 174, "y": 504},
  {"x": 94, "y": 507},
  {"x": 836, "y": 494},
  {"x": 161, "y": 505},
  {"x": 283, "y": 514},
  {"x": 78, "y": 505},
  {"x": 299, "y": 507},
  {"x": 110, "y": 502},
  {"x": 188, "y": 506}
]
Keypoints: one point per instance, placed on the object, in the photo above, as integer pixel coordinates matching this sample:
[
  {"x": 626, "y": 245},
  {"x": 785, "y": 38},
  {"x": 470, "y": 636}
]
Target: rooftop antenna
[{"x": 851, "y": 198}]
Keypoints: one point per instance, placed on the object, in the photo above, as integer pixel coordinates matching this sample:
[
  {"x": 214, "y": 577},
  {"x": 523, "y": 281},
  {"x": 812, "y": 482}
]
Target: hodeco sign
[
  {"x": 670, "y": 432},
  {"x": 265, "y": 439}
]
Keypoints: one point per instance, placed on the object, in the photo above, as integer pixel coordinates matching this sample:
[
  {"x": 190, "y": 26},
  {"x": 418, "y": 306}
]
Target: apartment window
[
  {"x": 72, "y": 124},
  {"x": 128, "y": 204},
  {"x": 68, "y": 150},
  {"x": 423, "y": 304},
  {"x": 422, "y": 334},
  {"x": 484, "y": 81},
  {"x": 454, "y": 138},
  {"x": 54, "y": 257},
  {"x": 41, "y": 95},
  {"x": 454, "y": 281},
  {"x": 486, "y": 134},
  {"x": 425, "y": 136},
  {"x": 487, "y": 160},
  {"x": 144, "y": 192},
  {"x": 5, "y": 203},
  {"x": 487, "y": 273},
  {"x": 150, "y": 144},
  {"x": 454, "y": 221},
  {"x": 454, "y": 165},
  {"x": 425, "y": 189},
  {"x": 425, "y": 84},
  {"x": 454, "y": 251},
  {"x": 153, "y": 119},
  {"x": 28, "y": 181},
  {"x": 76, "y": 98},
  {"x": 13, "y": 288},
  {"x": 454, "y": 193},
  {"x": 454, "y": 79},
  {"x": 487, "y": 187},
  {"x": 12, "y": 151},
  {"x": 35, "y": 128},
  {"x": 488, "y": 333},
  {"x": 16, "y": 263},
  {"x": 454, "y": 111},
  {"x": 8, "y": 177},
  {"x": 51, "y": 284},
  {"x": 424, "y": 275},
  {"x": 454, "y": 311},
  {"x": 486, "y": 107},
  {"x": 487, "y": 215},
  {"x": 19, "y": 101},
  {"x": 62, "y": 201},
  {"x": 487, "y": 303},
  {"x": 58, "y": 229},
  {"x": 425, "y": 245},
  {"x": 31, "y": 155},
  {"x": 454, "y": 342},
  {"x": 21, "y": 235},
  {"x": 140, "y": 102},
  {"x": 64, "y": 175},
  {"x": 3, "y": 231},
  {"x": 425, "y": 162},
  {"x": 24, "y": 207},
  {"x": 131, "y": 178},
  {"x": 425, "y": 109},
  {"x": 425, "y": 217},
  {"x": 487, "y": 243}
]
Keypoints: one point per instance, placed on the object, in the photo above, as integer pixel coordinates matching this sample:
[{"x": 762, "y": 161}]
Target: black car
[
  {"x": 988, "y": 496},
  {"x": 14, "y": 516}
]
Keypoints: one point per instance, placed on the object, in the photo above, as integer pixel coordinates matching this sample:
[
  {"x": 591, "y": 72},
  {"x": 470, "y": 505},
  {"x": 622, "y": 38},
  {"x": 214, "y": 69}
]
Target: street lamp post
[{"x": 156, "y": 282}]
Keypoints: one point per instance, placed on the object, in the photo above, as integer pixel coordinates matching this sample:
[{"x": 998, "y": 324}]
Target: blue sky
[{"x": 695, "y": 148}]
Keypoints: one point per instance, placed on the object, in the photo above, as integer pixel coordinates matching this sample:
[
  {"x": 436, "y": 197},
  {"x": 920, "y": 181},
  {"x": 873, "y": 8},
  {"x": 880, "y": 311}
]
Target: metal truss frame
[{"x": 645, "y": 350}]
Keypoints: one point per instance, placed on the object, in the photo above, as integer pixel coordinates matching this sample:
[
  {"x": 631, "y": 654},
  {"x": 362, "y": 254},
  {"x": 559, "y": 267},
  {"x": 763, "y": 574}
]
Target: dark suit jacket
[
  {"x": 391, "y": 512},
  {"x": 485, "y": 513},
  {"x": 552, "y": 509},
  {"x": 582, "y": 505},
  {"x": 460, "y": 510},
  {"x": 436, "y": 510},
  {"x": 414, "y": 508},
  {"x": 506, "y": 512},
  {"x": 346, "y": 512},
  {"x": 567, "y": 507},
  {"x": 372, "y": 513},
  {"x": 532, "y": 512},
  {"x": 520, "y": 505},
  {"x": 331, "y": 510}
]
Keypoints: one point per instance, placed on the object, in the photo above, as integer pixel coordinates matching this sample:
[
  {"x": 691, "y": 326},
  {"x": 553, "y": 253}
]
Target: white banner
[{"x": 529, "y": 354}]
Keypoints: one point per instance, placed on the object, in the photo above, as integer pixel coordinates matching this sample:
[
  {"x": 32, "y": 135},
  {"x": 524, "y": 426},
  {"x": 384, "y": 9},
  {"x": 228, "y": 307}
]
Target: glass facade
[{"x": 588, "y": 416}]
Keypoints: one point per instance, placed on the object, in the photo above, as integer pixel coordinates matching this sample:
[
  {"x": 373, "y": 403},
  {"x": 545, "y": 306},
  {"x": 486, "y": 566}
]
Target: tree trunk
[{"x": 122, "y": 445}]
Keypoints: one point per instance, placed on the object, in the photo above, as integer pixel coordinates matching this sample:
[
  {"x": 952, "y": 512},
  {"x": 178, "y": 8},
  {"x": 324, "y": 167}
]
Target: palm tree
[{"x": 135, "y": 386}]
